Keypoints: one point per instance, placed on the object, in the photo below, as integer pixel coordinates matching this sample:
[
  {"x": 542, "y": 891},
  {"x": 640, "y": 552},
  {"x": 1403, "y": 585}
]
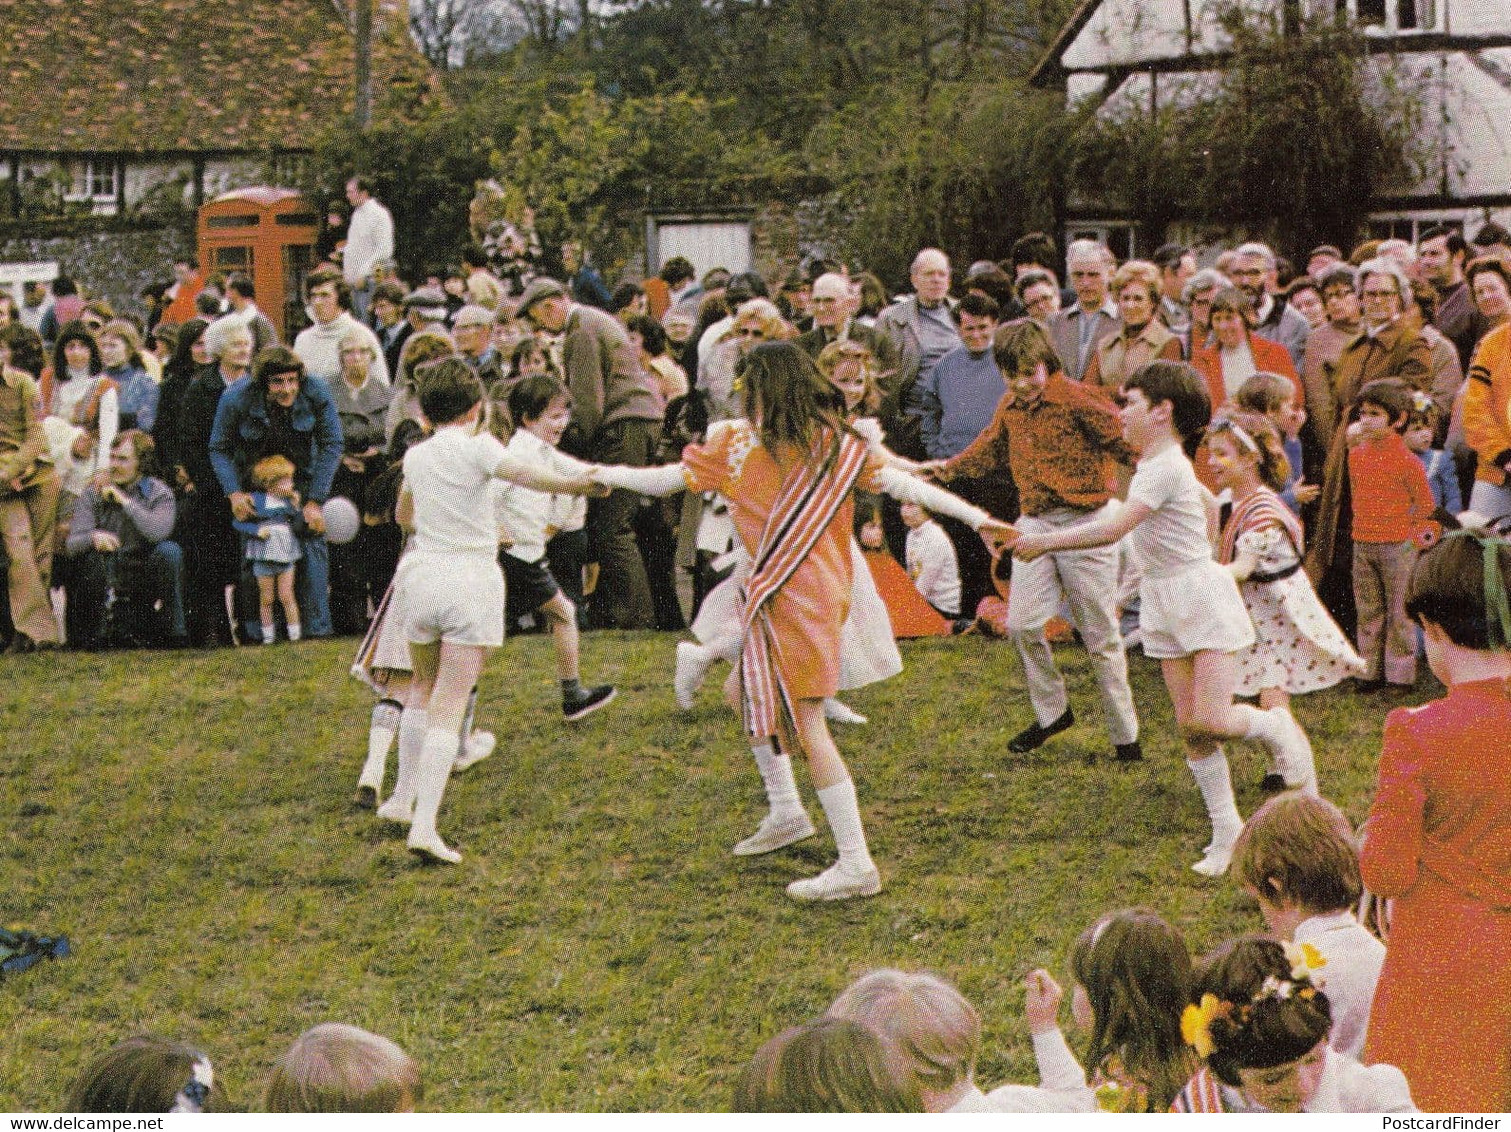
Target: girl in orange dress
[
  {"x": 788, "y": 470},
  {"x": 1438, "y": 841}
]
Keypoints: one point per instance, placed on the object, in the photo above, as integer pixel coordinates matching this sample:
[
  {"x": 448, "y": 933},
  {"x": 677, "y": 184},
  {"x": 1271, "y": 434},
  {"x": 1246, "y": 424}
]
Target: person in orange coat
[{"x": 1438, "y": 842}]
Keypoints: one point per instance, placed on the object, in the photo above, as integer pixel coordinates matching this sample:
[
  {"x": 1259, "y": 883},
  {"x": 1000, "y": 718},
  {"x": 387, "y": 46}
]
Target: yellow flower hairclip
[
  {"x": 1303, "y": 958},
  {"x": 1196, "y": 1023}
]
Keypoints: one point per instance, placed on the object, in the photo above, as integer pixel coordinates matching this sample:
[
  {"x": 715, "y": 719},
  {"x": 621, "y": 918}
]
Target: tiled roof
[{"x": 187, "y": 75}]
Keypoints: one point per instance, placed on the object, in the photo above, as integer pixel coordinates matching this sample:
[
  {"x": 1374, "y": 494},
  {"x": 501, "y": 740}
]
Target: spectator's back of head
[
  {"x": 146, "y": 1074},
  {"x": 334, "y": 1067},
  {"x": 828, "y": 1065},
  {"x": 1299, "y": 850},
  {"x": 931, "y": 1032}
]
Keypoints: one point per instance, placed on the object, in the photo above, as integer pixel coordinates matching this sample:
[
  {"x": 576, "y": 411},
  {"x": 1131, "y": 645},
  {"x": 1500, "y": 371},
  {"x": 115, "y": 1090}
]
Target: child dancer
[
  {"x": 1438, "y": 841},
  {"x": 1298, "y": 859},
  {"x": 541, "y": 409},
  {"x": 450, "y": 586},
  {"x": 1297, "y": 647},
  {"x": 1262, "y": 1028},
  {"x": 1442, "y": 477},
  {"x": 788, "y": 470},
  {"x": 1391, "y": 502},
  {"x": 1191, "y": 616},
  {"x": 271, "y": 545},
  {"x": 1132, "y": 977}
]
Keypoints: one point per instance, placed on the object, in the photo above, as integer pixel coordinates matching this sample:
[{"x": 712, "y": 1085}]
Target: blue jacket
[{"x": 241, "y": 424}]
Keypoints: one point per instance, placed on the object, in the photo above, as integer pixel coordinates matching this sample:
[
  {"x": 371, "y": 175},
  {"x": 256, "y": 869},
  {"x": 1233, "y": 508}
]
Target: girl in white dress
[
  {"x": 1191, "y": 615},
  {"x": 1297, "y": 647}
]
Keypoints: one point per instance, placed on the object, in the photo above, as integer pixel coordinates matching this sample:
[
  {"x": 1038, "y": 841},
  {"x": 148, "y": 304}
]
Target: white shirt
[
  {"x": 447, "y": 475},
  {"x": 319, "y": 348},
  {"x": 523, "y": 513},
  {"x": 1345, "y": 1086},
  {"x": 1237, "y": 367},
  {"x": 1175, "y": 536},
  {"x": 1062, "y": 1085},
  {"x": 369, "y": 238},
  {"x": 1354, "y": 958},
  {"x": 933, "y": 567}
]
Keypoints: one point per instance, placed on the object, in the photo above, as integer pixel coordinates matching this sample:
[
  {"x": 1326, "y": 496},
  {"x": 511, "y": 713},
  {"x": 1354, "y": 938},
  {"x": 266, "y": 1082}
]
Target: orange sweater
[{"x": 1388, "y": 485}]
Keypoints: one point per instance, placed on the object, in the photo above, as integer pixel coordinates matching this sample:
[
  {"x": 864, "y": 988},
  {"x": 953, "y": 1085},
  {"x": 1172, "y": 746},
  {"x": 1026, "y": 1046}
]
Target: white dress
[{"x": 1297, "y": 646}]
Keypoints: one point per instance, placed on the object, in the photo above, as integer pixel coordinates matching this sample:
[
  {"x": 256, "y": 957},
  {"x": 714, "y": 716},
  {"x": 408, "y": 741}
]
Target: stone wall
[{"x": 114, "y": 260}]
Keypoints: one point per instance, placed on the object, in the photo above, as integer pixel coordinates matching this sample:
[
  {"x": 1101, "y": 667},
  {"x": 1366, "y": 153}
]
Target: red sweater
[{"x": 1391, "y": 497}]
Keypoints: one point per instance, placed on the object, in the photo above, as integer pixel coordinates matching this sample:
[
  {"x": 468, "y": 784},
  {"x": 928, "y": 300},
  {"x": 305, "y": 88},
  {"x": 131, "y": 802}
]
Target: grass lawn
[{"x": 185, "y": 820}]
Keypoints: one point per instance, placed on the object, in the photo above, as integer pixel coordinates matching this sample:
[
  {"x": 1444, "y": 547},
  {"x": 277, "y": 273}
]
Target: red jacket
[
  {"x": 1388, "y": 487},
  {"x": 1269, "y": 356}
]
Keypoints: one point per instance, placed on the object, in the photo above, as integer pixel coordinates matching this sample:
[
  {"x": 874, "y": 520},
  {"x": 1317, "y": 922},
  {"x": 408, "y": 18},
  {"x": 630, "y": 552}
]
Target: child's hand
[
  {"x": 1041, "y": 1001},
  {"x": 265, "y": 531},
  {"x": 1306, "y": 492},
  {"x": 998, "y": 535}
]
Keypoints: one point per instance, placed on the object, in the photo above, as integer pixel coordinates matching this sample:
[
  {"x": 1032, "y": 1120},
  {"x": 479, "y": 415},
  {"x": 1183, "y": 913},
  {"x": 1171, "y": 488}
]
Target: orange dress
[
  {"x": 1439, "y": 842},
  {"x": 911, "y": 616},
  {"x": 808, "y": 612}
]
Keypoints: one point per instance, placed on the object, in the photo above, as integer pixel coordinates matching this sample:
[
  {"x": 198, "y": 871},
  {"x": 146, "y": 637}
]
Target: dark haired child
[
  {"x": 541, "y": 410},
  {"x": 449, "y": 586},
  {"x": 1191, "y": 616},
  {"x": 147, "y": 1074},
  {"x": 1297, "y": 647},
  {"x": 1442, "y": 477},
  {"x": 1261, "y": 1025},
  {"x": 1438, "y": 841},
  {"x": 1297, "y": 857},
  {"x": 1391, "y": 503}
]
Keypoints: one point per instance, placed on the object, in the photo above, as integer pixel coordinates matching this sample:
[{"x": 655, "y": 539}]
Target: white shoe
[
  {"x": 841, "y": 712},
  {"x": 1216, "y": 861},
  {"x": 836, "y": 883},
  {"x": 1293, "y": 755},
  {"x": 436, "y": 850},
  {"x": 692, "y": 667},
  {"x": 478, "y": 747},
  {"x": 774, "y": 835},
  {"x": 396, "y": 812}
]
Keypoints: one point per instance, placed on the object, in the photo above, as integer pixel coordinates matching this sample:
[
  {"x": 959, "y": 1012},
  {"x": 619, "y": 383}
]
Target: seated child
[
  {"x": 147, "y": 1074},
  {"x": 1297, "y": 858},
  {"x": 542, "y": 409},
  {"x": 827, "y": 1065},
  {"x": 1262, "y": 1028},
  {"x": 334, "y": 1067},
  {"x": 910, "y": 615},
  {"x": 931, "y": 561},
  {"x": 933, "y": 1036}
]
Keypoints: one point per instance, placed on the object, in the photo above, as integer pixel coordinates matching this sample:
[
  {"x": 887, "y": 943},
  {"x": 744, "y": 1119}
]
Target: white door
[{"x": 708, "y": 244}]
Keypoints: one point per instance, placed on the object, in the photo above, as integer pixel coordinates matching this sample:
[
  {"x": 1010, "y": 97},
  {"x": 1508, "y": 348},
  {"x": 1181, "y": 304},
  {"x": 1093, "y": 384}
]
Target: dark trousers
[
  {"x": 998, "y": 497},
  {"x": 566, "y": 554},
  {"x": 126, "y": 600},
  {"x": 622, "y": 599},
  {"x": 212, "y": 561}
]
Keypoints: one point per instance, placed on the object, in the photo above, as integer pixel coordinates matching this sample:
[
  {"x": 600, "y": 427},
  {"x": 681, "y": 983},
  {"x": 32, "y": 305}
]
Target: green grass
[{"x": 185, "y": 819}]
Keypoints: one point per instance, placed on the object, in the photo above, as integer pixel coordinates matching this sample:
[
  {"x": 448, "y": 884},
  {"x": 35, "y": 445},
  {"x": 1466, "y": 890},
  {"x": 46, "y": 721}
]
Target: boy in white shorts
[{"x": 449, "y": 585}]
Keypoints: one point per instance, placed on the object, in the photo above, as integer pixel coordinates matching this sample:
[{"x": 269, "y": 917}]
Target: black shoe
[
  {"x": 1272, "y": 783},
  {"x": 590, "y": 701},
  {"x": 1368, "y": 687},
  {"x": 1129, "y": 752},
  {"x": 1034, "y": 736},
  {"x": 366, "y": 798}
]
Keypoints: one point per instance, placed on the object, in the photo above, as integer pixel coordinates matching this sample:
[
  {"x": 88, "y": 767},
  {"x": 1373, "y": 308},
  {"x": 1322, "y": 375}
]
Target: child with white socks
[
  {"x": 1192, "y": 617},
  {"x": 788, "y": 471},
  {"x": 450, "y": 585}
]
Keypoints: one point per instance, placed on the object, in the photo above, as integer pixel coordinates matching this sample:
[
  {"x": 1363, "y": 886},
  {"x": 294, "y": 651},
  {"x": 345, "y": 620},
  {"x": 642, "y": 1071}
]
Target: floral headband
[
  {"x": 1197, "y": 1019},
  {"x": 196, "y": 1091}
]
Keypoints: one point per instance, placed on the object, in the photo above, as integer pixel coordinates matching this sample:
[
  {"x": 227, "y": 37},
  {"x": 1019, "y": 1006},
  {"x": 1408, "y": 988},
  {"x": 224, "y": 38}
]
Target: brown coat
[
  {"x": 1399, "y": 351},
  {"x": 1115, "y": 358}
]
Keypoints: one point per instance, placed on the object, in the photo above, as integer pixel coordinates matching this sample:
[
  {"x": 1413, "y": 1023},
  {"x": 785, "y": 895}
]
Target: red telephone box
[{"x": 268, "y": 234}]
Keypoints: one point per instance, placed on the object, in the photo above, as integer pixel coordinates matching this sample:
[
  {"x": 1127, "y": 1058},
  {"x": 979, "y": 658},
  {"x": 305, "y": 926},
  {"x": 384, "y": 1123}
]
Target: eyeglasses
[
  {"x": 749, "y": 332},
  {"x": 1381, "y": 294}
]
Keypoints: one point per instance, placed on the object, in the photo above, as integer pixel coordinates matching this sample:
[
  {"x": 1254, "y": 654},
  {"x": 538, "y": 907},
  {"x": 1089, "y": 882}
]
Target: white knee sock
[
  {"x": 293, "y": 628},
  {"x": 411, "y": 741},
  {"x": 437, "y": 754},
  {"x": 843, "y": 812},
  {"x": 380, "y": 736},
  {"x": 781, "y": 786},
  {"x": 1216, "y": 786}
]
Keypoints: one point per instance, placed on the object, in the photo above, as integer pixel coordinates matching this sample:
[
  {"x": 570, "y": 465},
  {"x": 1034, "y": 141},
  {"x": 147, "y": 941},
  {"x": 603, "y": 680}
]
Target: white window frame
[
  {"x": 1392, "y": 24},
  {"x": 92, "y": 172}
]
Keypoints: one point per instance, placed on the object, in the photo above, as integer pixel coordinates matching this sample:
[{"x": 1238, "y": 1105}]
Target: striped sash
[
  {"x": 1259, "y": 510},
  {"x": 807, "y": 501}
]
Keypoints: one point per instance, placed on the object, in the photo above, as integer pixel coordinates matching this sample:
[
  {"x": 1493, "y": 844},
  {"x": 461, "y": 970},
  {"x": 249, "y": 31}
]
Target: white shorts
[
  {"x": 453, "y": 598},
  {"x": 1196, "y": 610}
]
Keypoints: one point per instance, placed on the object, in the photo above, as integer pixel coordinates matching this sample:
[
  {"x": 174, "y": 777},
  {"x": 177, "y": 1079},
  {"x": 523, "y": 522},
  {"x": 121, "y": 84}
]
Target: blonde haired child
[
  {"x": 1297, "y": 647},
  {"x": 272, "y": 546},
  {"x": 1297, "y": 857},
  {"x": 334, "y": 1067},
  {"x": 1191, "y": 615}
]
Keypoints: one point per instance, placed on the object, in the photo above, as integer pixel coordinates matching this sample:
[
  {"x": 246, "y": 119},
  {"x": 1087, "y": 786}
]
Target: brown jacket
[
  {"x": 603, "y": 374},
  {"x": 1114, "y": 359}
]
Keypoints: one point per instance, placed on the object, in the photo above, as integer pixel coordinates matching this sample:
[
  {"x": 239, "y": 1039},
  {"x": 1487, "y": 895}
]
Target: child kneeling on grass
[
  {"x": 334, "y": 1067},
  {"x": 1262, "y": 1028},
  {"x": 541, "y": 409}
]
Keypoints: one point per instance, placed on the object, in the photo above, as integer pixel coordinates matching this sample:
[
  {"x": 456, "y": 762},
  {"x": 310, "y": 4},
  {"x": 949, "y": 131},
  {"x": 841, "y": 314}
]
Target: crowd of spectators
[{"x": 127, "y": 443}]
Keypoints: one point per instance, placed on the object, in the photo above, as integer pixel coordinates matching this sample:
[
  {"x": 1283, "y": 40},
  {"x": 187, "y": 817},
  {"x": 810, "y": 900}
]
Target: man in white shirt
[{"x": 369, "y": 238}]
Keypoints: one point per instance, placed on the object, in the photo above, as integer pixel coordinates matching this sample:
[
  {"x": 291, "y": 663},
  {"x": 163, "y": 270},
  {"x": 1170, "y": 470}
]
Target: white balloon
[{"x": 341, "y": 520}]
